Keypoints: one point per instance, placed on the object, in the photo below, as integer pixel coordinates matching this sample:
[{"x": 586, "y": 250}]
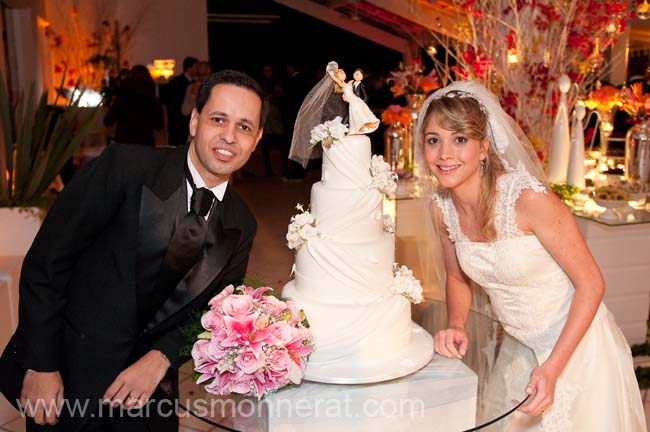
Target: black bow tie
[{"x": 186, "y": 244}]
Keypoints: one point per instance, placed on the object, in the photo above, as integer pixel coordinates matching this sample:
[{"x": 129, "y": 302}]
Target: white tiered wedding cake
[{"x": 344, "y": 276}]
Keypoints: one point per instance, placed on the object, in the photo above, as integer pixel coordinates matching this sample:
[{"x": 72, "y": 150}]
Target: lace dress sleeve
[
  {"x": 449, "y": 217},
  {"x": 509, "y": 187}
]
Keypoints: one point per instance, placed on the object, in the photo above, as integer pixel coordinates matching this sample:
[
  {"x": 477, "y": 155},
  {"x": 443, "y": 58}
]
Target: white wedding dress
[
  {"x": 531, "y": 294},
  {"x": 362, "y": 119}
]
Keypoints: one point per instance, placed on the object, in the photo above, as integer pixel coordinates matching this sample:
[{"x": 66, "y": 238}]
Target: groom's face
[{"x": 225, "y": 133}]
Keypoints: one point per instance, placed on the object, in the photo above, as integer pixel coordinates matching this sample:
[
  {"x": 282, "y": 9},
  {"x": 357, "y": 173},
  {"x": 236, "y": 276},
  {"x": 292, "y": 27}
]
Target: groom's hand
[
  {"x": 451, "y": 342},
  {"x": 134, "y": 385},
  {"x": 42, "y": 396}
]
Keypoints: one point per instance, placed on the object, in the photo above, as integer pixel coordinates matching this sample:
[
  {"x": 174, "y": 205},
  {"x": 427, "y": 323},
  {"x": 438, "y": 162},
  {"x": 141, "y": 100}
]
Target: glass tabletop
[{"x": 481, "y": 379}]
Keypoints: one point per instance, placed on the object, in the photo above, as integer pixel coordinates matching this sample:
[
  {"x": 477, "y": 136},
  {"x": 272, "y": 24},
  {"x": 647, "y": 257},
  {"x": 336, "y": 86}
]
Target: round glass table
[{"x": 446, "y": 395}]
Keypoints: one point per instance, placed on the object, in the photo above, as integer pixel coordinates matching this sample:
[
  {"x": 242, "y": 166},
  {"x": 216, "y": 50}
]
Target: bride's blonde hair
[{"x": 464, "y": 115}]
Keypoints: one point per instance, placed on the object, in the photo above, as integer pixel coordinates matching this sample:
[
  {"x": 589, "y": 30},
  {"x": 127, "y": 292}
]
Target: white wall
[
  {"x": 169, "y": 29},
  {"x": 159, "y": 28}
]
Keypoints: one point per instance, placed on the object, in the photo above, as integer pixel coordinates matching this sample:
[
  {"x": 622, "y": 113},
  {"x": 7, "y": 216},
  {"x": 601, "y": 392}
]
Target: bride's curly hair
[{"x": 466, "y": 115}]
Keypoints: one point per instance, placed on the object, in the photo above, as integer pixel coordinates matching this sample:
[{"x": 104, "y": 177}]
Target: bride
[{"x": 508, "y": 234}]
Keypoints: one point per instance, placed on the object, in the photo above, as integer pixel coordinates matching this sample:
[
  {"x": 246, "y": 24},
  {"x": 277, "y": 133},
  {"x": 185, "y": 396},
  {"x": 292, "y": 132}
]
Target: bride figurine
[
  {"x": 501, "y": 227},
  {"x": 361, "y": 118}
]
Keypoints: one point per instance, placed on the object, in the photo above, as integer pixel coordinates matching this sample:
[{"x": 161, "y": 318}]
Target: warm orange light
[
  {"x": 162, "y": 68},
  {"x": 513, "y": 56}
]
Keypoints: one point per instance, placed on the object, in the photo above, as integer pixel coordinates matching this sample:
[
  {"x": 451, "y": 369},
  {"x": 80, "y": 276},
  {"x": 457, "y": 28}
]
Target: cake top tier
[{"x": 347, "y": 164}]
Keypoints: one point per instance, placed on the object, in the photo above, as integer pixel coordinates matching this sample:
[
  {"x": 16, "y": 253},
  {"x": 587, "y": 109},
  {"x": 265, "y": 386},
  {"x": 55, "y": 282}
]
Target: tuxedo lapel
[
  {"x": 163, "y": 202},
  {"x": 221, "y": 240}
]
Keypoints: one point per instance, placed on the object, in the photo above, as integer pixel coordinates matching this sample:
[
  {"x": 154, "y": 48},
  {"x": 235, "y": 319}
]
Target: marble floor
[{"x": 273, "y": 201}]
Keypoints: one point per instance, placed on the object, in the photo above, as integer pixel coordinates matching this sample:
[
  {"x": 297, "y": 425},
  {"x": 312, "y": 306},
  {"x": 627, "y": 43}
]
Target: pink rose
[
  {"x": 278, "y": 361},
  {"x": 199, "y": 351},
  {"x": 275, "y": 306},
  {"x": 248, "y": 363},
  {"x": 215, "y": 303},
  {"x": 212, "y": 320},
  {"x": 237, "y": 306},
  {"x": 282, "y": 333},
  {"x": 241, "y": 385}
]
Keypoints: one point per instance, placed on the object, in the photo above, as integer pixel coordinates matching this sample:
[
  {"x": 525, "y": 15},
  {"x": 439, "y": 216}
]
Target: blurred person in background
[{"x": 136, "y": 111}]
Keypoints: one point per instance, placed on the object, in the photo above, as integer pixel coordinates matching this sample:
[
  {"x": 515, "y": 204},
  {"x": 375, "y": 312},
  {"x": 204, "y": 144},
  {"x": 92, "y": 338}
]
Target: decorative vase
[
  {"x": 637, "y": 153},
  {"x": 606, "y": 127},
  {"x": 394, "y": 141},
  {"x": 414, "y": 102}
]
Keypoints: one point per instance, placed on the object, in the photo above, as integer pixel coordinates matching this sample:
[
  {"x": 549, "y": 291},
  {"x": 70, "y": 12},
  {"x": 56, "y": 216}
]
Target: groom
[{"x": 138, "y": 240}]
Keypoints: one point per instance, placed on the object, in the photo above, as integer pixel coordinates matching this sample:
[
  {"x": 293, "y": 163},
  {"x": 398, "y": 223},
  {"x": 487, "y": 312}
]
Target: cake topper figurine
[
  {"x": 357, "y": 86},
  {"x": 361, "y": 118},
  {"x": 331, "y": 97}
]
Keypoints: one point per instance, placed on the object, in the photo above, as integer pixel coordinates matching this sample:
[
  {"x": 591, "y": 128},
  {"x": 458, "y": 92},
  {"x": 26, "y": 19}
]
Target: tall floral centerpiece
[
  {"x": 520, "y": 49},
  {"x": 88, "y": 45},
  {"x": 604, "y": 99},
  {"x": 411, "y": 82}
]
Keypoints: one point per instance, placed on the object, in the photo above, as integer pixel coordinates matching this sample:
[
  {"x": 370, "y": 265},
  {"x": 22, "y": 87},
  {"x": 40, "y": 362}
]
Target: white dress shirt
[{"x": 219, "y": 191}]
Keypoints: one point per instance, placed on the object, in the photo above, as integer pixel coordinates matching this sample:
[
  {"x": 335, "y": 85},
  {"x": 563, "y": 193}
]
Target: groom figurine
[
  {"x": 138, "y": 240},
  {"x": 357, "y": 86}
]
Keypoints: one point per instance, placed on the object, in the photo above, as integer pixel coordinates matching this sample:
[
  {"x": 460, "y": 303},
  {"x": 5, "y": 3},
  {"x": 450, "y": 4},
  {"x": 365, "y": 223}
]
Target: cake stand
[{"x": 414, "y": 357}]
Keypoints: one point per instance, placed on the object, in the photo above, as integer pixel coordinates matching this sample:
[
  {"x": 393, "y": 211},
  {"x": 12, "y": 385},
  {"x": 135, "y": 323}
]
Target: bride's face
[{"x": 453, "y": 157}]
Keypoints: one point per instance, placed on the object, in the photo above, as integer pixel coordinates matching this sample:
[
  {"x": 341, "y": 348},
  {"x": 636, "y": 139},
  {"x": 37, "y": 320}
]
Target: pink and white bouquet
[{"x": 254, "y": 343}]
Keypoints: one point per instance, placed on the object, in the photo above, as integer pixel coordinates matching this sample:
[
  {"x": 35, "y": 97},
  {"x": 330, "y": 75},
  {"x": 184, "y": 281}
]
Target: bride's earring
[{"x": 483, "y": 166}]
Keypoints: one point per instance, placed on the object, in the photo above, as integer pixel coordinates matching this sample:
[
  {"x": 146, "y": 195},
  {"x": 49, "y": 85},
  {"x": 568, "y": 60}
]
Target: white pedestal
[
  {"x": 440, "y": 397},
  {"x": 19, "y": 227},
  {"x": 623, "y": 254}
]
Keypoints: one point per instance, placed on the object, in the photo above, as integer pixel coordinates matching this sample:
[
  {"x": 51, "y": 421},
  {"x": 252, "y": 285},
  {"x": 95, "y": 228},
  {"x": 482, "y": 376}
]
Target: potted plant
[{"x": 36, "y": 141}]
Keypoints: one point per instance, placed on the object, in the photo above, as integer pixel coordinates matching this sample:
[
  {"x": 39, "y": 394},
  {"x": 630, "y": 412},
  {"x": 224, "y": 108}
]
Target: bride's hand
[
  {"x": 451, "y": 342},
  {"x": 542, "y": 387}
]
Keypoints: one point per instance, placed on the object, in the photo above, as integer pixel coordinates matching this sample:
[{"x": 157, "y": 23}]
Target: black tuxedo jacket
[
  {"x": 360, "y": 91},
  {"x": 91, "y": 264}
]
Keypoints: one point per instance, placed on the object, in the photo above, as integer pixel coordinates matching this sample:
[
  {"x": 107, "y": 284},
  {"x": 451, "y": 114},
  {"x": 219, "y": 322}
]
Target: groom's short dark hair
[{"x": 236, "y": 78}]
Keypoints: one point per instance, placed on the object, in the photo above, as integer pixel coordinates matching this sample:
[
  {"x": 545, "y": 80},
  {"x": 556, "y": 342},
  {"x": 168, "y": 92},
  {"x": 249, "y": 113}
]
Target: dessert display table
[
  {"x": 622, "y": 250},
  {"x": 441, "y": 396}
]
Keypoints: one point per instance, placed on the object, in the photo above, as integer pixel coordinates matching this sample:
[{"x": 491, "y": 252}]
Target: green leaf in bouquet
[
  {"x": 286, "y": 315},
  {"x": 205, "y": 335},
  {"x": 303, "y": 319}
]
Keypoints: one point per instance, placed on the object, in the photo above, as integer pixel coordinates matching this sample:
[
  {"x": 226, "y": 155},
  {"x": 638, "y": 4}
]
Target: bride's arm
[
  {"x": 335, "y": 78},
  {"x": 553, "y": 224},
  {"x": 452, "y": 342}
]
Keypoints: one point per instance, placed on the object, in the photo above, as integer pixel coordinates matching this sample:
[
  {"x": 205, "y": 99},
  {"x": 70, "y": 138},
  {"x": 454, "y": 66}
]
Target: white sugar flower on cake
[
  {"x": 301, "y": 229},
  {"x": 407, "y": 285},
  {"x": 389, "y": 224},
  {"x": 382, "y": 176},
  {"x": 328, "y": 133}
]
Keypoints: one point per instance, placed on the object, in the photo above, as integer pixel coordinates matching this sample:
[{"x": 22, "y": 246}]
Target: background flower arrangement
[
  {"x": 87, "y": 46},
  {"x": 519, "y": 49},
  {"x": 410, "y": 79},
  {"x": 635, "y": 103}
]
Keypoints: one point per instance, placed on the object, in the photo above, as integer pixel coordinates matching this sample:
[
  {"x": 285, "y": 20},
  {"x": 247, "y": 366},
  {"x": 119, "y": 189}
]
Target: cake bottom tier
[{"x": 358, "y": 344}]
